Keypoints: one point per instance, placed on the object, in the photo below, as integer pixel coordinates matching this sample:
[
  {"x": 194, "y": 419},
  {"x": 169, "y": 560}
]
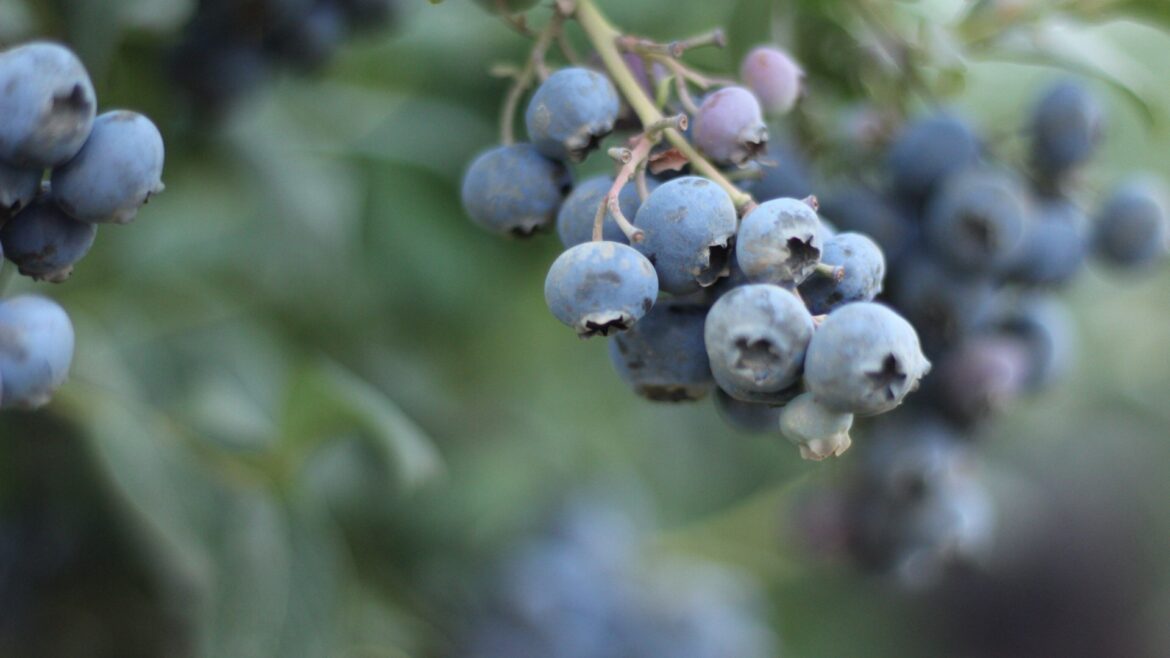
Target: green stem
[{"x": 603, "y": 36}]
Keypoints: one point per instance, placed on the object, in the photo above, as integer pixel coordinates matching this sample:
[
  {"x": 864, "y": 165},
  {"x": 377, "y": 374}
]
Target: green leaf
[
  {"x": 327, "y": 401},
  {"x": 1087, "y": 51},
  {"x": 253, "y": 575}
]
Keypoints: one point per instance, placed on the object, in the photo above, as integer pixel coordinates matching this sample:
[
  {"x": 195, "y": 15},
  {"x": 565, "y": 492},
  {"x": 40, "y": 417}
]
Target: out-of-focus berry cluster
[
  {"x": 979, "y": 250},
  {"x": 64, "y": 169},
  {"x": 229, "y": 47},
  {"x": 585, "y": 587}
]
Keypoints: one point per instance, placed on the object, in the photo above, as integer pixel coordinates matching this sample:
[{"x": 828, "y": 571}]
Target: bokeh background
[{"x": 311, "y": 402}]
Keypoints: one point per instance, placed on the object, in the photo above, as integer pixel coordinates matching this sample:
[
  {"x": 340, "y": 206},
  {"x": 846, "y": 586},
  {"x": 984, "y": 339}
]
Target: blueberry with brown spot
[
  {"x": 600, "y": 288},
  {"x": 44, "y": 242},
  {"x": 689, "y": 224}
]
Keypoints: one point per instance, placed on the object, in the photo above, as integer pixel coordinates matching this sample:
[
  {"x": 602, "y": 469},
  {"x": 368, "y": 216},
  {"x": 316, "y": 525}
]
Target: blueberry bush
[{"x": 869, "y": 302}]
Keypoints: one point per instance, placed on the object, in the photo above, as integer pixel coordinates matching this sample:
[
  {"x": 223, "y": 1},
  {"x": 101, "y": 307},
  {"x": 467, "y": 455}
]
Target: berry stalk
[
  {"x": 526, "y": 75},
  {"x": 610, "y": 203},
  {"x": 604, "y": 38}
]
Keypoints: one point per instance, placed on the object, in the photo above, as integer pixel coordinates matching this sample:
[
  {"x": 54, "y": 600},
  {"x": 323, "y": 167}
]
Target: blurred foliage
[{"x": 310, "y": 399}]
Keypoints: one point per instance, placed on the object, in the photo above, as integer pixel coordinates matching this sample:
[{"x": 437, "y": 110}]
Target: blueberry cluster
[
  {"x": 584, "y": 588},
  {"x": 978, "y": 250},
  {"x": 773, "y": 310},
  {"x": 229, "y": 46},
  {"x": 64, "y": 169}
]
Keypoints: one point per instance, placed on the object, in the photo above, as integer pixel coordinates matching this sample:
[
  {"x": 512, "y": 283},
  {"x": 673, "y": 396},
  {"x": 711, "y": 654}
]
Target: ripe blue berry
[
  {"x": 756, "y": 338},
  {"x": 514, "y": 190},
  {"x": 1044, "y": 327},
  {"x": 571, "y": 112},
  {"x": 749, "y": 417},
  {"x": 311, "y": 38},
  {"x": 864, "y": 271},
  {"x": 1130, "y": 228},
  {"x": 774, "y": 77},
  {"x": 18, "y": 188},
  {"x": 44, "y": 242},
  {"x": 928, "y": 151},
  {"x": 779, "y": 242},
  {"x": 689, "y": 224},
  {"x": 600, "y": 287},
  {"x": 575, "y": 218},
  {"x": 943, "y": 307},
  {"x": 864, "y": 359},
  {"x": 1054, "y": 245},
  {"x": 1066, "y": 129},
  {"x": 976, "y": 223},
  {"x": 119, "y": 169},
  {"x": 663, "y": 357},
  {"x": 816, "y": 429},
  {"x": 47, "y": 106},
  {"x": 729, "y": 126},
  {"x": 861, "y": 210},
  {"x": 979, "y": 378},
  {"x": 36, "y": 351}
]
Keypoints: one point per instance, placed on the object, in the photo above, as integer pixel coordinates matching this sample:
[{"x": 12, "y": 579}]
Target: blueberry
[
  {"x": 214, "y": 71},
  {"x": 784, "y": 174},
  {"x": 860, "y": 209},
  {"x": 36, "y": 351},
  {"x": 774, "y": 77},
  {"x": 816, "y": 429},
  {"x": 979, "y": 378},
  {"x": 310, "y": 39},
  {"x": 976, "y": 223},
  {"x": 1130, "y": 228},
  {"x": 779, "y": 242},
  {"x": 908, "y": 457},
  {"x": 514, "y": 189},
  {"x": 750, "y": 417},
  {"x": 864, "y": 270},
  {"x": 18, "y": 188},
  {"x": 1047, "y": 332},
  {"x": 48, "y": 105},
  {"x": 729, "y": 126},
  {"x": 1065, "y": 127},
  {"x": 663, "y": 357},
  {"x": 864, "y": 359},
  {"x": 571, "y": 112},
  {"x": 916, "y": 507},
  {"x": 943, "y": 307},
  {"x": 756, "y": 338},
  {"x": 928, "y": 151},
  {"x": 575, "y": 218},
  {"x": 600, "y": 287},
  {"x": 1054, "y": 245},
  {"x": 44, "y": 242},
  {"x": 689, "y": 224},
  {"x": 115, "y": 173}
]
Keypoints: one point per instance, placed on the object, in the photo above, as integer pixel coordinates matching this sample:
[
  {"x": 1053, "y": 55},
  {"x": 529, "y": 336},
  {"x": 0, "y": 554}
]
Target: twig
[
  {"x": 525, "y": 77},
  {"x": 603, "y": 37},
  {"x": 632, "y": 160}
]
